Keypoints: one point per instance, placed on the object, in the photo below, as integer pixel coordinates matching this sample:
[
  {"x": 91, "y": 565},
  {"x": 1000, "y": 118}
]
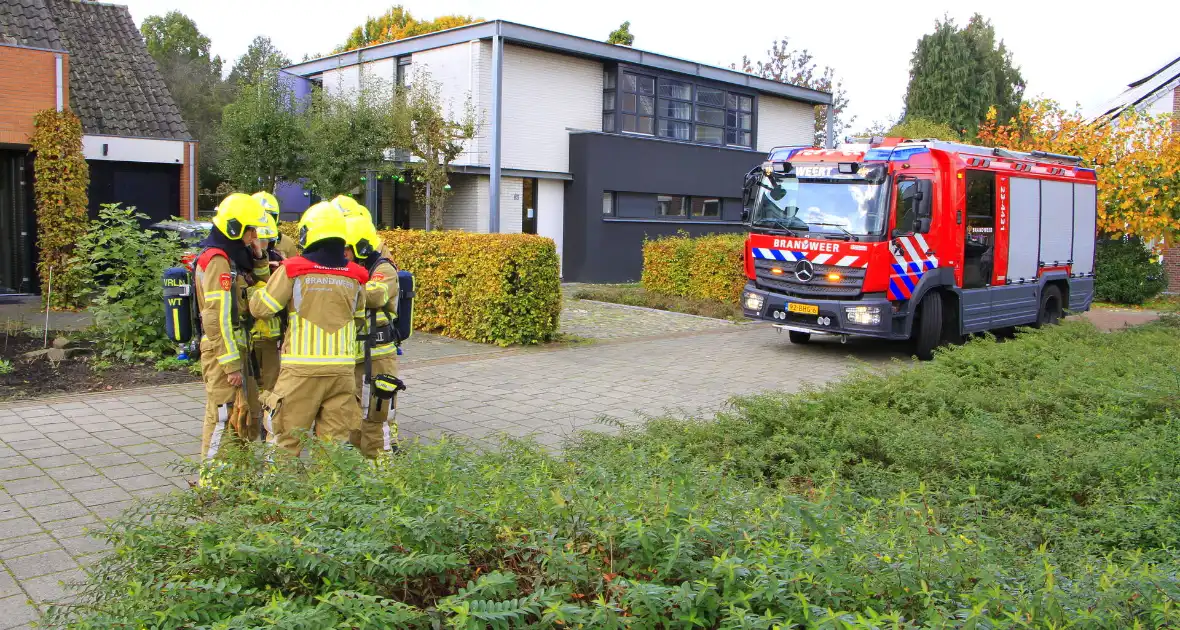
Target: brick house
[
  {"x": 1157, "y": 93},
  {"x": 90, "y": 58}
]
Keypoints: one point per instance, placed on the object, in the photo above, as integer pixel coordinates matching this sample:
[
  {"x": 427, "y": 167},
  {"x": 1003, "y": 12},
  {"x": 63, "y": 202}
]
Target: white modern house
[{"x": 594, "y": 145}]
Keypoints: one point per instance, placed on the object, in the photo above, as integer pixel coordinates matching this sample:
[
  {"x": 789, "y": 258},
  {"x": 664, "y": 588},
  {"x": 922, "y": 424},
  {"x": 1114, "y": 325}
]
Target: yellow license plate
[{"x": 806, "y": 309}]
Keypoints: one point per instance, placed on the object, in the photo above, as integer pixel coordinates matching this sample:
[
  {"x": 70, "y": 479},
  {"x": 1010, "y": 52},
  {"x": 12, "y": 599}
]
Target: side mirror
[
  {"x": 924, "y": 199},
  {"x": 922, "y": 225},
  {"x": 745, "y": 215}
]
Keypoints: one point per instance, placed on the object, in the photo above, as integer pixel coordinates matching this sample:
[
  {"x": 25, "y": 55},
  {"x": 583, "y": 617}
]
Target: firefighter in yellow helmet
[
  {"x": 350, "y": 206},
  {"x": 230, "y": 260},
  {"x": 283, "y": 244},
  {"x": 322, "y": 291},
  {"x": 266, "y": 334},
  {"x": 376, "y": 372}
]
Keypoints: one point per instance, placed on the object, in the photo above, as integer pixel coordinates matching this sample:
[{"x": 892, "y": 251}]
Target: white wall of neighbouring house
[
  {"x": 511, "y": 205},
  {"x": 782, "y": 121},
  {"x": 120, "y": 149},
  {"x": 544, "y": 95},
  {"x": 456, "y": 72},
  {"x": 342, "y": 80},
  {"x": 551, "y": 211}
]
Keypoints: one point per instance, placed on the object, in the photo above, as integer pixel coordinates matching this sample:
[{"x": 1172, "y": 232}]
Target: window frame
[
  {"x": 660, "y": 98},
  {"x": 687, "y": 204}
]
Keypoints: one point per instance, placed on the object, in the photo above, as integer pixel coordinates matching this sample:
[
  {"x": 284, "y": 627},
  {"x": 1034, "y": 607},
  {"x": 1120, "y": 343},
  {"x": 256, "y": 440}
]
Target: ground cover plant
[{"x": 1030, "y": 483}]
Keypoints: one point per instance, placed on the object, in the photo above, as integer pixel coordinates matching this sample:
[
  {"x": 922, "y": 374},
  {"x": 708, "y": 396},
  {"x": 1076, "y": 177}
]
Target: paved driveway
[{"x": 66, "y": 464}]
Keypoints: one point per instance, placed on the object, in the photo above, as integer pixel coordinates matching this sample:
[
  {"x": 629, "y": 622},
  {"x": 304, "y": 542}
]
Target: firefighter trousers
[
  {"x": 324, "y": 406},
  {"x": 267, "y": 353},
  {"x": 377, "y": 433},
  {"x": 220, "y": 398}
]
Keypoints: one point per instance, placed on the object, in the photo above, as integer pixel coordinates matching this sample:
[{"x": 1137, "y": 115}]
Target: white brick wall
[
  {"x": 782, "y": 121},
  {"x": 454, "y": 70},
  {"x": 544, "y": 94},
  {"x": 346, "y": 79},
  {"x": 467, "y": 207},
  {"x": 511, "y": 204}
]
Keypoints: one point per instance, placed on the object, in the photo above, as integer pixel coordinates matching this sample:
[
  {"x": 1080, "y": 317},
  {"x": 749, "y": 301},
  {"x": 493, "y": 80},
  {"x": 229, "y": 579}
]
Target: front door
[
  {"x": 16, "y": 225},
  {"x": 528, "y": 219}
]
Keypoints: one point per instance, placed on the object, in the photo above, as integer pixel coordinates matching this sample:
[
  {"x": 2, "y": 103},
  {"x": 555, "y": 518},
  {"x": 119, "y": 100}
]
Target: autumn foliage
[
  {"x": 1137, "y": 158},
  {"x": 706, "y": 267},
  {"x": 63, "y": 178},
  {"x": 398, "y": 23}
]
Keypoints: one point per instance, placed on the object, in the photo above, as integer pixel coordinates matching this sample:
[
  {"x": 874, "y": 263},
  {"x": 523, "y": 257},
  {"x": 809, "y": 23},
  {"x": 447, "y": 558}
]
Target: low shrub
[
  {"x": 123, "y": 264},
  {"x": 705, "y": 267},
  {"x": 898, "y": 500},
  {"x": 1126, "y": 272},
  {"x": 490, "y": 288}
]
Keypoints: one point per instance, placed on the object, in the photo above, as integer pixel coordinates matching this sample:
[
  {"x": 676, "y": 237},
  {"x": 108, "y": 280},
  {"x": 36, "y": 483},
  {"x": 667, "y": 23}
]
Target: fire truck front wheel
[
  {"x": 798, "y": 336},
  {"x": 928, "y": 329}
]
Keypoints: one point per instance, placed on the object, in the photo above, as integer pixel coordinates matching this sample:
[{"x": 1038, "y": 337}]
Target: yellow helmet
[
  {"x": 270, "y": 230},
  {"x": 350, "y": 206},
  {"x": 269, "y": 202},
  {"x": 321, "y": 221},
  {"x": 238, "y": 212},
  {"x": 362, "y": 236}
]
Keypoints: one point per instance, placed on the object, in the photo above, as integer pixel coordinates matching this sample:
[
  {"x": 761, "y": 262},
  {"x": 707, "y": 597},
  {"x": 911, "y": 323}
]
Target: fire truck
[{"x": 918, "y": 240}]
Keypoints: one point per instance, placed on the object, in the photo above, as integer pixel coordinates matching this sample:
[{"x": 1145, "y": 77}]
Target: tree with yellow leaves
[
  {"x": 397, "y": 23},
  {"x": 1137, "y": 157}
]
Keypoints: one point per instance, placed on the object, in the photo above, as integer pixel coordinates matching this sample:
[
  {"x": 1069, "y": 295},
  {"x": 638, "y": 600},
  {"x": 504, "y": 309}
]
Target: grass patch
[
  {"x": 1028, "y": 484},
  {"x": 635, "y": 295},
  {"x": 1159, "y": 303}
]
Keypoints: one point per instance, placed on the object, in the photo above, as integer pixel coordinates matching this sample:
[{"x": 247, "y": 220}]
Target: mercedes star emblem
[{"x": 804, "y": 270}]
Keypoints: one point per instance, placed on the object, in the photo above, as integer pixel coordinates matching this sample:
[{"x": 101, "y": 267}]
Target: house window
[
  {"x": 706, "y": 208},
  {"x": 637, "y": 104},
  {"x": 608, "y": 204},
  {"x": 671, "y": 205},
  {"x": 403, "y": 70},
  {"x": 676, "y": 109}
]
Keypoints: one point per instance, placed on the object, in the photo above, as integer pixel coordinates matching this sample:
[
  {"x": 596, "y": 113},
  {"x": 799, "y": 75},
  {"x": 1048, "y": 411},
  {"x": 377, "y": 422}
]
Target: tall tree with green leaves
[
  {"x": 263, "y": 134},
  {"x": 958, "y": 74},
  {"x": 193, "y": 76},
  {"x": 621, "y": 36},
  {"x": 261, "y": 59},
  {"x": 347, "y": 133},
  {"x": 398, "y": 23},
  {"x": 798, "y": 67}
]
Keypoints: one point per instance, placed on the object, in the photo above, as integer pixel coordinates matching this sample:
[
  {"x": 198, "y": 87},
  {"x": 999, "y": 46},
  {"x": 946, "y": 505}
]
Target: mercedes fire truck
[{"x": 925, "y": 240}]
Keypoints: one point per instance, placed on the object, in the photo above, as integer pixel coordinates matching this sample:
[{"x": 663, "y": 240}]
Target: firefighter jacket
[
  {"x": 381, "y": 292},
  {"x": 286, "y": 246},
  {"x": 321, "y": 302},
  {"x": 218, "y": 286}
]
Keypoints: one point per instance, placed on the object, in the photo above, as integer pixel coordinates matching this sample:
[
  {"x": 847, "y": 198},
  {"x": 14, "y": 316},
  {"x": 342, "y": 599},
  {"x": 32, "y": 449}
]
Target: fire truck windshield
[{"x": 827, "y": 205}]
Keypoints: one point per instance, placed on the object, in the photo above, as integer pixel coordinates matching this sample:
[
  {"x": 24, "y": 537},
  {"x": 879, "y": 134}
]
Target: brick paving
[{"x": 68, "y": 463}]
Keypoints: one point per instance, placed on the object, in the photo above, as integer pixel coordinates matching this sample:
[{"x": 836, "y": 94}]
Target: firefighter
[
  {"x": 267, "y": 333},
  {"x": 350, "y": 206},
  {"x": 376, "y": 371},
  {"x": 284, "y": 245},
  {"x": 322, "y": 291},
  {"x": 230, "y": 255}
]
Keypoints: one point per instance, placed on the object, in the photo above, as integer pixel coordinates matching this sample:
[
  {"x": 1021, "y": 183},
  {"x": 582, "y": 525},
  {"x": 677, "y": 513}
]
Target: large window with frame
[
  {"x": 647, "y": 206},
  {"x": 677, "y": 109}
]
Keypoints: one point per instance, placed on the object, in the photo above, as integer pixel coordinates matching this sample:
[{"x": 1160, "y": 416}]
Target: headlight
[
  {"x": 863, "y": 315},
  {"x": 752, "y": 301}
]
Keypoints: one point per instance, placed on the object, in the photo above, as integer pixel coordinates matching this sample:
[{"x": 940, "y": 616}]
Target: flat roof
[{"x": 561, "y": 43}]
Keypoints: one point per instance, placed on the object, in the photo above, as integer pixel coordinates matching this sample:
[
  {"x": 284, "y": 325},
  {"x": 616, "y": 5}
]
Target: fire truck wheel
[
  {"x": 798, "y": 336},
  {"x": 928, "y": 330},
  {"x": 1050, "y": 311}
]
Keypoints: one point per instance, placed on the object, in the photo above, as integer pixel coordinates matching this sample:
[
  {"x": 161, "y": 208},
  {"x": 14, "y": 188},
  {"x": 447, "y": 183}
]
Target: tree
[
  {"x": 422, "y": 126},
  {"x": 347, "y": 133},
  {"x": 1137, "y": 158},
  {"x": 398, "y": 23},
  {"x": 957, "y": 75},
  {"x": 262, "y": 134},
  {"x": 622, "y": 35},
  {"x": 916, "y": 128},
  {"x": 193, "y": 77},
  {"x": 261, "y": 58},
  {"x": 797, "y": 67}
]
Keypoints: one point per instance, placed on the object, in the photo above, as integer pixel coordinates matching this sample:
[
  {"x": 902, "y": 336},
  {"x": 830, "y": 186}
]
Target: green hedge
[
  {"x": 706, "y": 267},
  {"x": 490, "y": 288},
  {"x": 1127, "y": 272},
  {"x": 1028, "y": 484}
]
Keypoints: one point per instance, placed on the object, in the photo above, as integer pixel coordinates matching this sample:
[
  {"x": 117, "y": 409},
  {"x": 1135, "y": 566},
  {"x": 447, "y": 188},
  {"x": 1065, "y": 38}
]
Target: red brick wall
[
  {"x": 28, "y": 85},
  {"x": 1172, "y": 267},
  {"x": 186, "y": 192}
]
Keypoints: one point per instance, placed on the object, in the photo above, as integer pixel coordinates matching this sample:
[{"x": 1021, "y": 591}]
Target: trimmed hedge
[
  {"x": 706, "y": 267},
  {"x": 489, "y": 288}
]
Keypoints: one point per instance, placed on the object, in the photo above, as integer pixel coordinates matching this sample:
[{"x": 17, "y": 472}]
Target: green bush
[
  {"x": 900, "y": 500},
  {"x": 1126, "y": 272},
  {"x": 123, "y": 264},
  {"x": 705, "y": 267}
]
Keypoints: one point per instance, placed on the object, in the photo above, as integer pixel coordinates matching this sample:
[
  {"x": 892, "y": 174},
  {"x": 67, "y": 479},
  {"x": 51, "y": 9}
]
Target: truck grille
[{"x": 849, "y": 285}]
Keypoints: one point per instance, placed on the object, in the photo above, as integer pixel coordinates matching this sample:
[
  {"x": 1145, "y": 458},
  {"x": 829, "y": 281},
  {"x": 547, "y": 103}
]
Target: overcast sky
[{"x": 1065, "y": 51}]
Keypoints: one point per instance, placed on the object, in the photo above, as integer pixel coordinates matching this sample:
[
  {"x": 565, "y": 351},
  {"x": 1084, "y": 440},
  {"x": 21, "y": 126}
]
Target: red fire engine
[{"x": 920, "y": 240}]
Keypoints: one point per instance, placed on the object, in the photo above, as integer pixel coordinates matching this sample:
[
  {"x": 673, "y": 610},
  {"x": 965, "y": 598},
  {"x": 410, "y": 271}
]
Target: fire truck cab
[{"x": 917, "y": 239}]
